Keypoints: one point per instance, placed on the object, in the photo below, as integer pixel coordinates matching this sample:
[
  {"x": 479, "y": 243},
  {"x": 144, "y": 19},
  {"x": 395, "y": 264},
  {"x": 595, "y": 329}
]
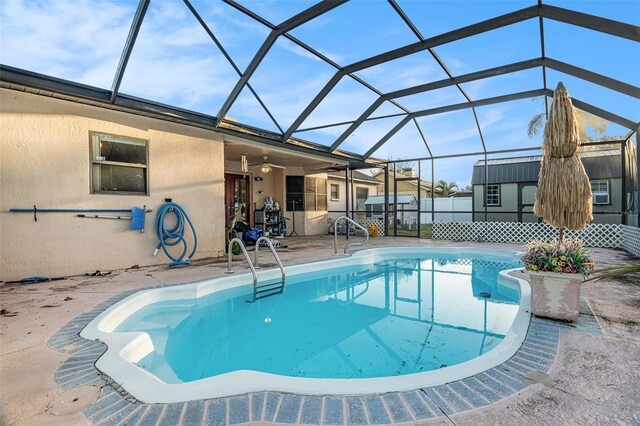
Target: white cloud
[
  {"x": 346, "y": 102},
  {"x": 294, "y": 48},
  {"x": 368, "y": 134},
  {"x": 408, "y": 71},
  {"x": 173, "y": 61},
  {"x": 432, "y": 99},
  {"x": 65, "y": 38},
  {"x": 452, "y": 132},
  {"x": 287, "y": 101}
]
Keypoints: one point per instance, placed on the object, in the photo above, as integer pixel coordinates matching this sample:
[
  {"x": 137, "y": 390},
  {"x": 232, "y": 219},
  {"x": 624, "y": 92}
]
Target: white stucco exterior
[
  {"x": 45, "y": 160},
  {"x": 337, "y": 206}
]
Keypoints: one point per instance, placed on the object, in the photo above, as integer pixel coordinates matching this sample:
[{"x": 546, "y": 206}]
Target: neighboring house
[
  {"x": 405, "y": 182},
  {"x": 461, "y": 194},
  {"x": 410, "y": 200},
  {"x": 512, "y": 186},
  {"x": 364, "y": 186},
  {"x": 407, "y": 209}
]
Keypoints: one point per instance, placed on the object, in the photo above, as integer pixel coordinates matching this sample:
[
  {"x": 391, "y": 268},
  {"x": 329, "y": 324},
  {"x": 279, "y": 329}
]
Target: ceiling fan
[{"x": 265, "y": 166}]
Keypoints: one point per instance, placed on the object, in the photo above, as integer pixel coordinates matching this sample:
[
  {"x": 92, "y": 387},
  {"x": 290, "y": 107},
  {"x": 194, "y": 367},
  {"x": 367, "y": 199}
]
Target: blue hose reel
[{"x": 169, "y": 237}]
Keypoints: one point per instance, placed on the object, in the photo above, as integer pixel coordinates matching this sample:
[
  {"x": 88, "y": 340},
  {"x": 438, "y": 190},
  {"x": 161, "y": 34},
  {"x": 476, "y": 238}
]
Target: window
[
  {"x": 335, "y": 191},
  {"x": 295, "y": 193},
  {"x": 315, "y": 193},
  {"x": 118, "y": 165},
  {"x": 375, "y": 210},
  {"x": 493, "y": 195},
  {"x": 361, "y": 196},
  {"x": 600, "y": 191},
  {"x": 308, "y": 193}
]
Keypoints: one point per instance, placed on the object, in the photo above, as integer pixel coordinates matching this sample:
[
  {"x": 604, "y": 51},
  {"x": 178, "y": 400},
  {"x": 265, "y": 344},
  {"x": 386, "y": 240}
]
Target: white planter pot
[{"x": 555, "y": 295}]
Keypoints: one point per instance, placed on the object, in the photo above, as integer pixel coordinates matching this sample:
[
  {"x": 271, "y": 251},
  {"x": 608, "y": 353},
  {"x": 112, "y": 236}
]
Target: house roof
[
  {"x": 357, "y": 177},
  {"x": 599, "y": 164},
  {"x": 424, "y": 184},
  {"x": 402, "y": 199},
  {"x": 537, "y": 158}
]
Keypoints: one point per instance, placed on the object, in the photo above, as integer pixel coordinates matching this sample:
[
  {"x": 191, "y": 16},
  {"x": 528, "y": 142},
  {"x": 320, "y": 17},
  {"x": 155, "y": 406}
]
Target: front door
[{"x": 237, "y": 194}]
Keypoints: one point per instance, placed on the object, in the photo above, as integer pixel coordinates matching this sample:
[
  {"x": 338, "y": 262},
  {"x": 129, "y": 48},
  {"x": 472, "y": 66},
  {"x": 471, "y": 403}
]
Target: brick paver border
[{"x": 116, "y": 407}]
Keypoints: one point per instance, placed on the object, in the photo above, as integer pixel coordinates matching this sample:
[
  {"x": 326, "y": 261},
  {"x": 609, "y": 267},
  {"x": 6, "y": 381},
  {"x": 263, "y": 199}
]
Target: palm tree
[
  {"x": 585, "y": 120},
  {"x": 446, "y": 188},
  {"x": 615, "y": 272}
]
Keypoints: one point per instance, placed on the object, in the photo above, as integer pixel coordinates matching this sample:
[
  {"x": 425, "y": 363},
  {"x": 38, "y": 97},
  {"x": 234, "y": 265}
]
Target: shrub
[{"x": 568, "y": 256}]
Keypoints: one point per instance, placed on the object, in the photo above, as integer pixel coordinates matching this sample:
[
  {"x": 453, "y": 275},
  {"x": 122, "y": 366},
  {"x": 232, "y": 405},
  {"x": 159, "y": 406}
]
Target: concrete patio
[{"x": 595, "y": 378}]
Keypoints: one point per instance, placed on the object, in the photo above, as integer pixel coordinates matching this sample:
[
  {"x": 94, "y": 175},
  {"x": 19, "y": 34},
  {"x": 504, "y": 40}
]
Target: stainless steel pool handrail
[
  {"x": 248, "y": 259},
  {"x": 275, "y": 255},
  {"x": 357, "y": 243}
]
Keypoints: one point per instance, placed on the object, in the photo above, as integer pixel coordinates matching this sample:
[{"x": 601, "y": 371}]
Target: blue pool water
[{"x": 408, "y": 314}]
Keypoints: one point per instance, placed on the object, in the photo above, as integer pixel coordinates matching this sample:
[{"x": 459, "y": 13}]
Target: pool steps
[{"x": 263, "y": 290}]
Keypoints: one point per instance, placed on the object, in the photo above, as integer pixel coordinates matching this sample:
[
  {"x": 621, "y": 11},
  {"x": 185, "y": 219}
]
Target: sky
[{"x": 175, "y": 62}]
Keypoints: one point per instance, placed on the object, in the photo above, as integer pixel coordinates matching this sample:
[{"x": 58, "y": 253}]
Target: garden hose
[{"x": 169, "y": 237}]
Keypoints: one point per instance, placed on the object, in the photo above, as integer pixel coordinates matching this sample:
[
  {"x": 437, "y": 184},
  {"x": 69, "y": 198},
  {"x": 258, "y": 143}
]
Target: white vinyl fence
[{"x": 447, "y": 209}]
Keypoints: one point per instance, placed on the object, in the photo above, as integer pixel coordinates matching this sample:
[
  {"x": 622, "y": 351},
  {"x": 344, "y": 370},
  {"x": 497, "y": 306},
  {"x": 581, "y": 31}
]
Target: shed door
[
  {"x": 405, "y": 220},
  {"x": 526, "y": 200}
]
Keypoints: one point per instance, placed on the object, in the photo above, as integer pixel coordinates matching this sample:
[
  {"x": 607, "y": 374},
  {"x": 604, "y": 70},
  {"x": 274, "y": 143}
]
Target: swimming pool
[{"x": 380, "y": 320}]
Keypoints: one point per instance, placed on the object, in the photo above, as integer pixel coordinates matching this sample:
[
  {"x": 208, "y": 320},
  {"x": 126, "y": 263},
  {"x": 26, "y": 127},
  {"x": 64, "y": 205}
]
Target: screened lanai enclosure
[{"x": 409, "y": 92}]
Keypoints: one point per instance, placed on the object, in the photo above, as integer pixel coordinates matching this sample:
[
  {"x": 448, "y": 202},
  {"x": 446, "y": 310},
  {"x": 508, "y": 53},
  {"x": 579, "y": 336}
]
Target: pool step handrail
[
  {"x": 278, "y": 261},
  {"x": 247, "y": 258},
  {"x": 356, "y": 243},
  {"x": 264, "y": 290}
]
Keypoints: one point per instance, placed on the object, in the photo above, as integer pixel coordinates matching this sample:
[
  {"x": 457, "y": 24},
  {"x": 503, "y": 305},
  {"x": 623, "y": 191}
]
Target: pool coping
[
  {"x": 125, "y": 349},
  {"x": 115, "y": 406}
]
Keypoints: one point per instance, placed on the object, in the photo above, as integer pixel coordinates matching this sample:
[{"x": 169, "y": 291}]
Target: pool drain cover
[{"x": 74, "y": 400}]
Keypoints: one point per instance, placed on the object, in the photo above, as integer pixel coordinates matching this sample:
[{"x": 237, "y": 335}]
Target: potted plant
[
  {"x": 556, "y": 271},
  {"x": 563, "y": 200}
]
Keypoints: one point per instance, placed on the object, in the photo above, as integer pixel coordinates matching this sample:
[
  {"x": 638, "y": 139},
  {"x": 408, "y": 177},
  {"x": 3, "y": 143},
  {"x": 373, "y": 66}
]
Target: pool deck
[{"x": 589, "y": 373}]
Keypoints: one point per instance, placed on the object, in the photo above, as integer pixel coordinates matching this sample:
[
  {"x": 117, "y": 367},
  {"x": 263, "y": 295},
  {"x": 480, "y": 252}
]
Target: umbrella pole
[{"x": 561, "y": 235}]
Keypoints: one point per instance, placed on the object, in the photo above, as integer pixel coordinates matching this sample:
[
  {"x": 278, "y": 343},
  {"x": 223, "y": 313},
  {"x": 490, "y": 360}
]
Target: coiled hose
[{"x": 169, "y": 237}]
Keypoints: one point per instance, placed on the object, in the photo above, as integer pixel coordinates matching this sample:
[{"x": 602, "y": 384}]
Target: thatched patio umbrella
[{"x": 563, "y": 198}]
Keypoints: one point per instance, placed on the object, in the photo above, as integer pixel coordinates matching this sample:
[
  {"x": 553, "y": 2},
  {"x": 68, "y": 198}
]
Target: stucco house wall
[
  {"x": 405, "y": 187},
  {"x": 337, "y": 206},
  {"x": 45, "y": 160}
]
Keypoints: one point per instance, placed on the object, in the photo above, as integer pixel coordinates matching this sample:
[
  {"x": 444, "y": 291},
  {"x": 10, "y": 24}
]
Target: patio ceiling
[
  {"x": 377, "y": 89},
  {"x": 236, "y": 147}
]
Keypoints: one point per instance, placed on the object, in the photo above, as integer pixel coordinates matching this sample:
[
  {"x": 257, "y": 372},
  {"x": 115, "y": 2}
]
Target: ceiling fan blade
[{"x": 271, "y": 164}]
